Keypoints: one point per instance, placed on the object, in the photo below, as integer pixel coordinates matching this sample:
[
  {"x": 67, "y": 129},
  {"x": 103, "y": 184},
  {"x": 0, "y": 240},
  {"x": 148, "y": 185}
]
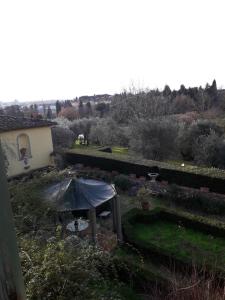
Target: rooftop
[{"x": 8, "y": 123}]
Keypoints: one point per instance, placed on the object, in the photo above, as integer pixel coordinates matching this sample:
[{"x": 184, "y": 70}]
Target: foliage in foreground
[
  {"x": 54, "y": 268},
  {"x": 58, "y": 270},
  {"x": 31, "y": 212}
]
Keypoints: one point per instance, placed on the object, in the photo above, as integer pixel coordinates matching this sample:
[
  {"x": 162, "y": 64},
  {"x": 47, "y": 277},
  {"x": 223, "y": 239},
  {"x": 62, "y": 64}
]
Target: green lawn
[
  {"x": 77, "y": 145},
  {"x": 115, "y": 149},
  {"x": 183, "y": 243},
  {"x": 120, "y": 150}
]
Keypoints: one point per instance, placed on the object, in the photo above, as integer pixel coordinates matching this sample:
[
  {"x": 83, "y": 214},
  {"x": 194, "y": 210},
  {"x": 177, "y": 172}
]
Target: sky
[{"x": 60, "y": 49}]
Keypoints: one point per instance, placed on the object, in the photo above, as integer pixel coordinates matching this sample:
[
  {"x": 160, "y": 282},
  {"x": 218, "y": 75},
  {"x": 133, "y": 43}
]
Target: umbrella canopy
[{"x": 79, "y": 194}]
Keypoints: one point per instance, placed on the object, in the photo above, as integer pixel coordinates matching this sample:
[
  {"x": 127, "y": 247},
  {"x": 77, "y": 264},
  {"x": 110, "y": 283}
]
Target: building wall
[{"x": 40, "y": 146}]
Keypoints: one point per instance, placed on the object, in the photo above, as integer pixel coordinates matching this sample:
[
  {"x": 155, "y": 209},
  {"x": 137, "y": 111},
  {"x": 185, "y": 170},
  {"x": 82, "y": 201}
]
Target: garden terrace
[
  {"x": 191, "y": 176},
  {"x": 178, "y": 238}
]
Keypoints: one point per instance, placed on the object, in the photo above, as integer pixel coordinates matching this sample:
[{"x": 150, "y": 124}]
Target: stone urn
[{"x": 153, "y": 176}]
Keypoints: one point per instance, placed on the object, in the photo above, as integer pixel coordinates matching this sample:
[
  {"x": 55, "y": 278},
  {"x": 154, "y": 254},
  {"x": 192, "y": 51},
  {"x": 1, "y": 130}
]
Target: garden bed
[{"x": 176, "y": 238}]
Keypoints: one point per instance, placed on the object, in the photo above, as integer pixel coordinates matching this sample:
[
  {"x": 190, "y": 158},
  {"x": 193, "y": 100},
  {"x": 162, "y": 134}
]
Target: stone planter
[
  {"x": 204, "y": 189},
  {"x": 153, "y": 176}
]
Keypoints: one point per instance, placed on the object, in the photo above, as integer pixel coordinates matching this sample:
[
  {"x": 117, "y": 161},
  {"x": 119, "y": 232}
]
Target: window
[{"x": 23, "y": 144}]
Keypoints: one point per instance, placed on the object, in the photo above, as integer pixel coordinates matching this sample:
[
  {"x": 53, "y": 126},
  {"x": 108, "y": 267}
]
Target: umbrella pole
[
  {"x": 118, "y": 220},
  {"x": 113, "y": 204},
  {"x": 92, "y": 213}
]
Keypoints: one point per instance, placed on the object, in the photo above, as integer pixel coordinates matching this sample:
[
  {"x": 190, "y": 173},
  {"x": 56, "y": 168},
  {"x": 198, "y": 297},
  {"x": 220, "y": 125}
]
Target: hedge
[
  {"x": 189, "y": 176},
  {"x": 108, "y": 162},
  {"x": 200, "y": 223},
  {"x": 143, "y": 274},
  {"x": 196, "y": 200},
  {"x": 159, "y": 254}
]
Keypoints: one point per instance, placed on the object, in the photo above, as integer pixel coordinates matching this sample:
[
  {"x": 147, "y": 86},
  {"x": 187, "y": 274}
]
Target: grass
[
  {"x": 77, "y": 145},
  {"x": 115, "y": 149},
  {"x": 183, "y": 243},
  {"x": 119, "y": 150}
]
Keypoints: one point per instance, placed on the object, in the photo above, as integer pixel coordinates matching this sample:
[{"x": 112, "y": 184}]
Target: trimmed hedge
[
  {"x": 144, "y": 275},
  {"x": 201, "y": 224},
  {"x": 189, "y": 176},
  {"x": 196, "y": 200},
  {"x": 105, "y": 149},
  {"x": 108, "y": 162}
]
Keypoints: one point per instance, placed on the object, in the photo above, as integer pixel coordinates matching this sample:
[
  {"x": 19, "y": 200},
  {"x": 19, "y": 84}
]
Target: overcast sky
[{"x": 51, "y": 49}]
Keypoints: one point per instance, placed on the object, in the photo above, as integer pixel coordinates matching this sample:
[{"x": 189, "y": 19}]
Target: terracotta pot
[
  {"x": 145, "y": 205},
  {"x": 204, "y": 189}
]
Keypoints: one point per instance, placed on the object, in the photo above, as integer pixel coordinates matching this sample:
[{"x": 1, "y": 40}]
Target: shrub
[
  {"x": 122, "y": 182},
  {"x": 59, "y": 271},
  {"x": 143, "y": 195}
]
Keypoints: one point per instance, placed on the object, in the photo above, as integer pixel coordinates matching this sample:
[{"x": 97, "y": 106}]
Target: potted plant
[{"x": 143, "y": 198}]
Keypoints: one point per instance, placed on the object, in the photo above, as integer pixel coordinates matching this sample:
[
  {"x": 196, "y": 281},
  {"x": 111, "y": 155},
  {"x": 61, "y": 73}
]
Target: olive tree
[
  {"x": 209, "y": 150},
  {"x": 190, "y": 134},
  {"x": 62, "y": 137},
  {"x": 83, "y": 126},
  {"x": 155, "y": 138},
  {"x": 108, "y": 132}
]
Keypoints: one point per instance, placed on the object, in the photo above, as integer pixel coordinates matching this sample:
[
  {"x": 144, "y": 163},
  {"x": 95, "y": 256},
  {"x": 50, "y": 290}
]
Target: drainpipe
[{"x": 11, "y": 280}]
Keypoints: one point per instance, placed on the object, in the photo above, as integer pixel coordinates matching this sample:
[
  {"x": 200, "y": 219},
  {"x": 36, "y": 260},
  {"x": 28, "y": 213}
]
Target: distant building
[{"x": 27, "y": 143}]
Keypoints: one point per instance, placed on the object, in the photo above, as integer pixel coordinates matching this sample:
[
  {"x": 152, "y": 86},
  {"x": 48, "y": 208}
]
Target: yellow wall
[{"x": 40, "y": 144}]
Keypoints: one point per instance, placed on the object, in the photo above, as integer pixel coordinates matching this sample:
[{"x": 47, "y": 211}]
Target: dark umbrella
[
  {"x": 79, "y": 194},
  {"x": 84, "y": 194}
]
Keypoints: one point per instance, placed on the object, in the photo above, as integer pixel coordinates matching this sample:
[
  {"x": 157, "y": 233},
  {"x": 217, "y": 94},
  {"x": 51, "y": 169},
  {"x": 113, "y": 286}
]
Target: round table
[{"x": 82, "y": 225}]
